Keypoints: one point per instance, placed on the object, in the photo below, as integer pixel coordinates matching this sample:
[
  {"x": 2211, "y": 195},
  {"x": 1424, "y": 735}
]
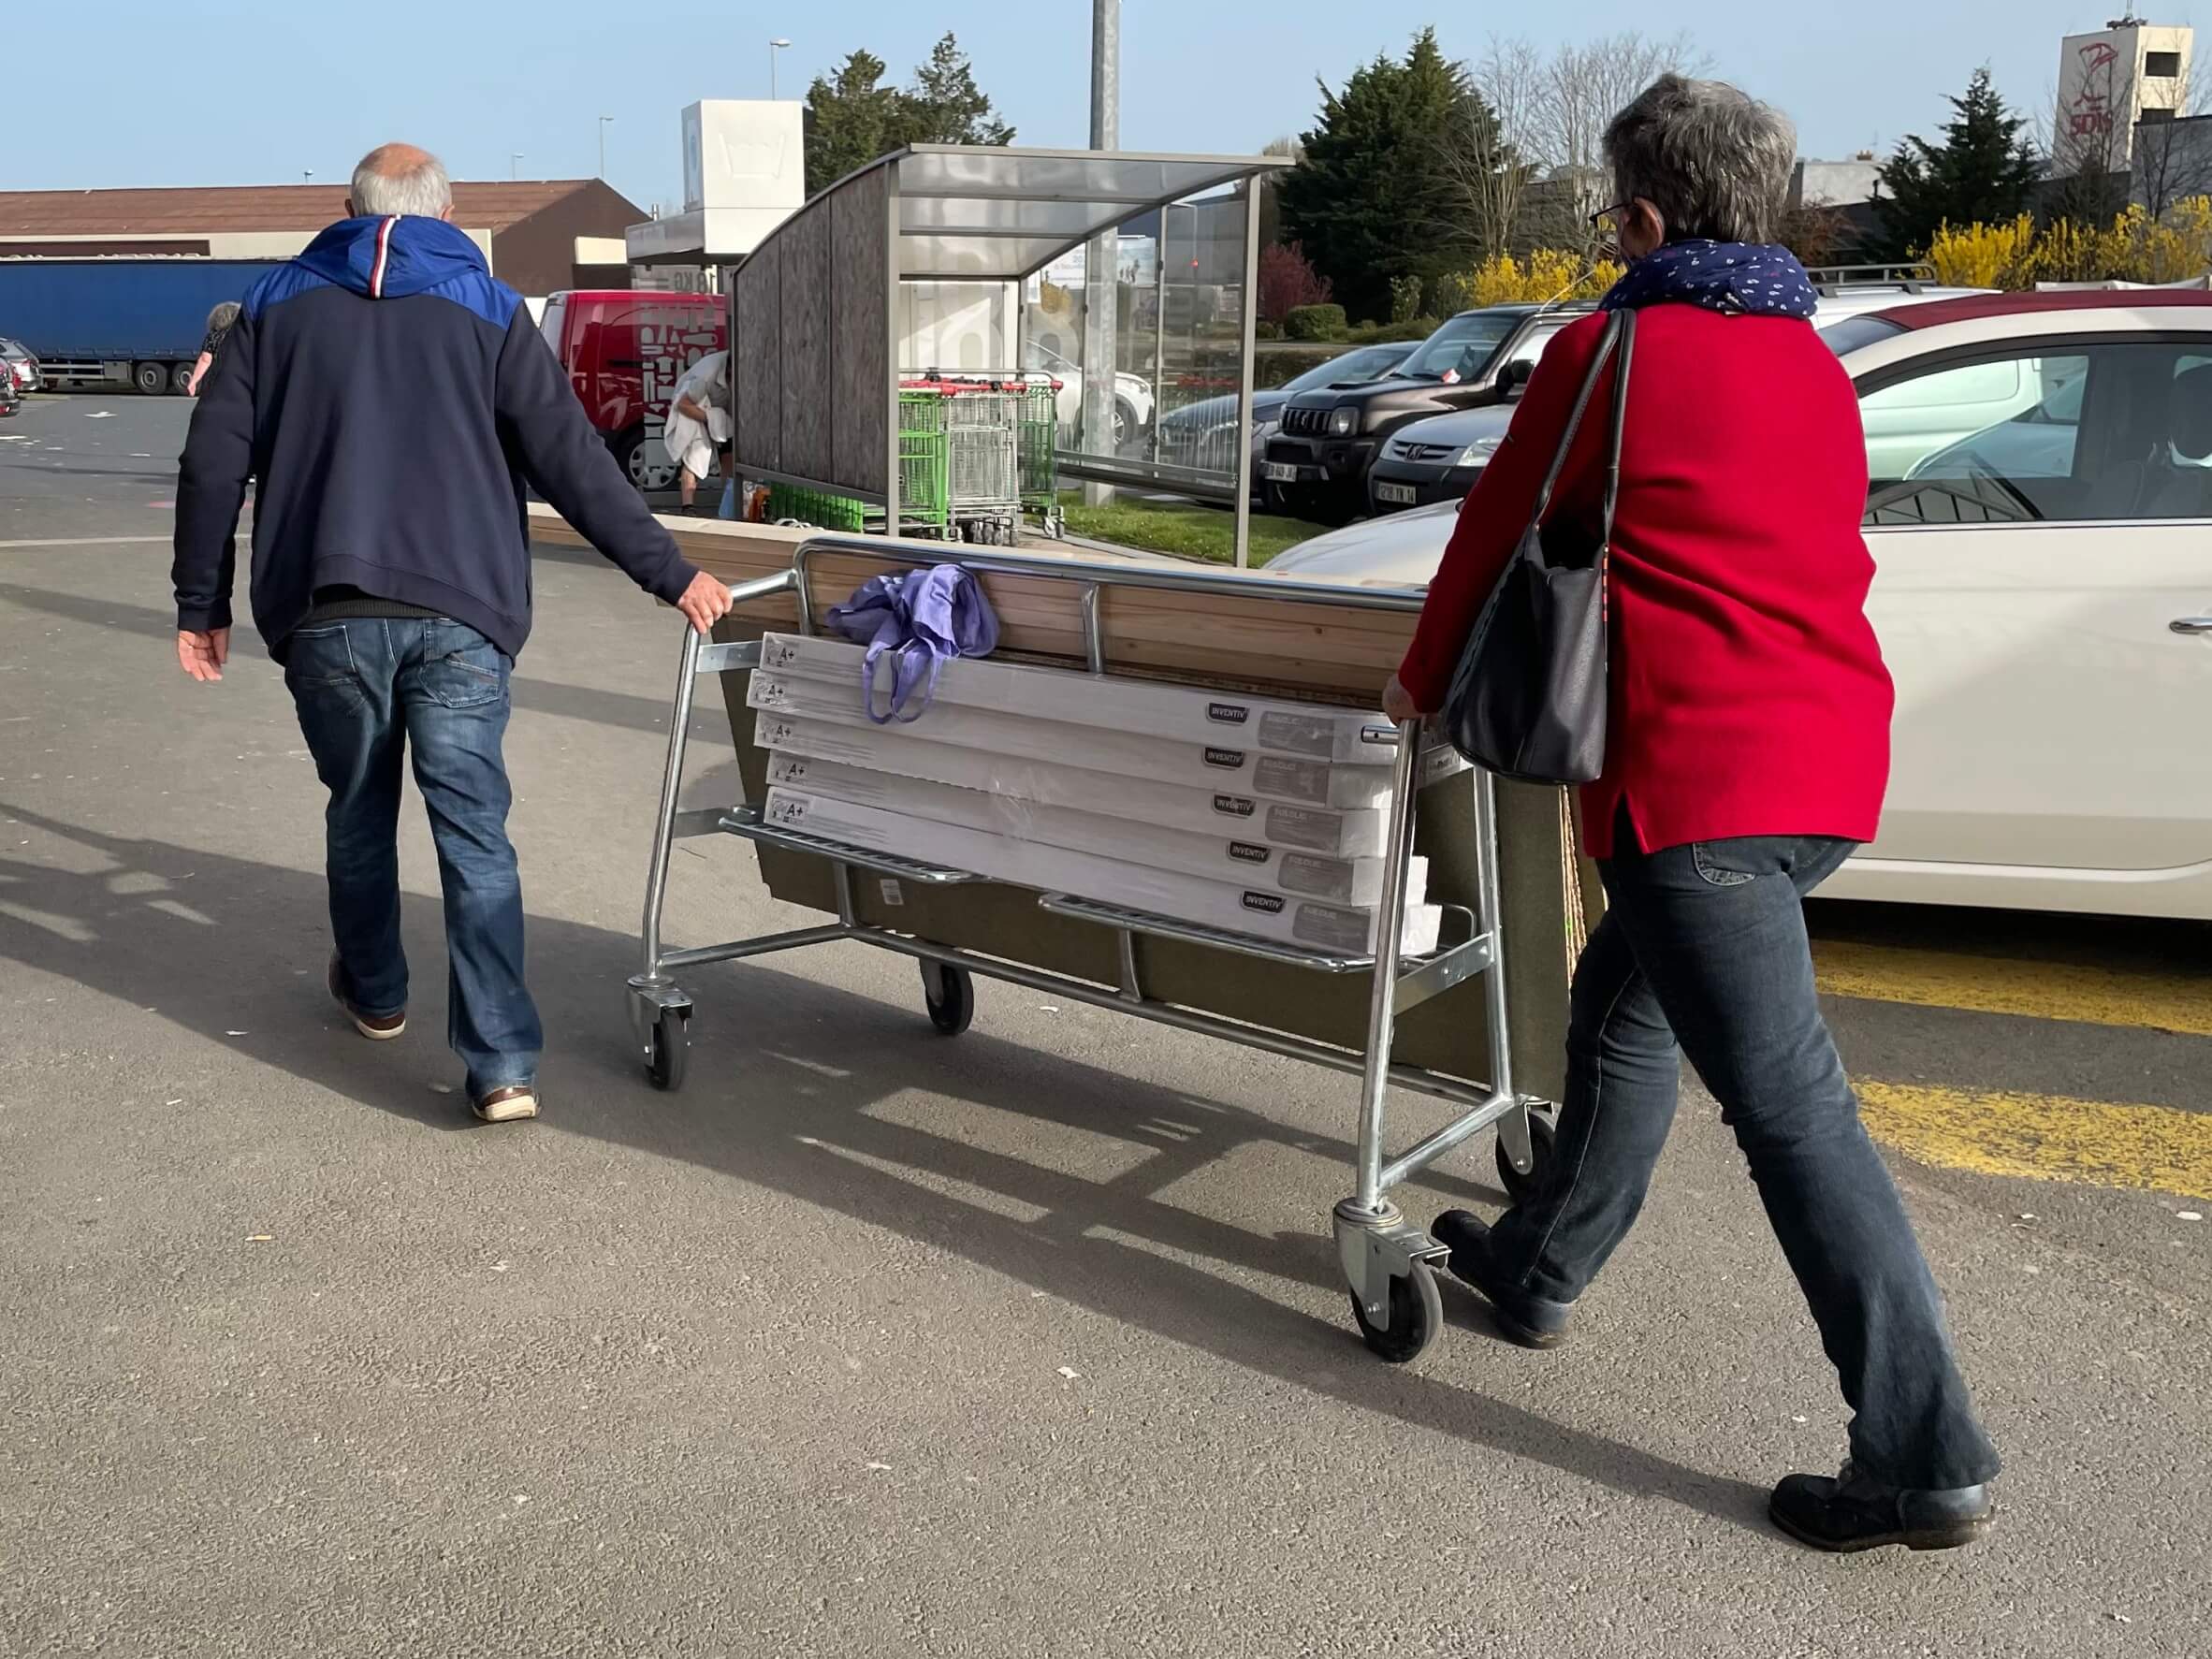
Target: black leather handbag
[{"x": 1528, "y": 700}]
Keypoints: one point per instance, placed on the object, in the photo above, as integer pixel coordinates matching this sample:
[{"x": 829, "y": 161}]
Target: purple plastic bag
[{"x": 923, "y": 619}]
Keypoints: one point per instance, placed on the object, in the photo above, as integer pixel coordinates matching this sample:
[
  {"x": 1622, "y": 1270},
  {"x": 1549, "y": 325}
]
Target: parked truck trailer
[{"x": 119, "y": 322}]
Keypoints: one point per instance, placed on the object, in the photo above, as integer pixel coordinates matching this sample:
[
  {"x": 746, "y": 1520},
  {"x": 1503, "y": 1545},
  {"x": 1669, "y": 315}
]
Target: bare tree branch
[
  {"x": 2173, "y": 162},
  {"x": 1534, "y": 181},
  {"x": 1485, "y": 163}
]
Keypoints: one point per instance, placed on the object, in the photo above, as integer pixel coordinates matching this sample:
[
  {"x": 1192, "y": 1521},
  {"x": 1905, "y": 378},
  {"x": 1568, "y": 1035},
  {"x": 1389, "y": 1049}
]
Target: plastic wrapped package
[
  {"x": 1262, "y": 912},
  {"x": 1143, "y": 707},
  {"x": 1356, "y": 834},
  {"x": 1208, "y": 765},
  {"x": 1217, "y": 856}
]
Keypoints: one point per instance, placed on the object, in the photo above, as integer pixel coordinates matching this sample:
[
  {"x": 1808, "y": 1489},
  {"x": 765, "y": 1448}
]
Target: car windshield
[
  {"x": 1369, "y": 362},
  {"x": 1462, "y": 348},
  {"x": 1853, "y": 332}
]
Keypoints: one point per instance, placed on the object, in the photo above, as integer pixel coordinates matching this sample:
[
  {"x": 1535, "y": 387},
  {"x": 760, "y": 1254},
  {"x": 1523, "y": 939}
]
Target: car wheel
[
  {"x": 633, "y": 455},
  {"x": 1126, "y": 424}
]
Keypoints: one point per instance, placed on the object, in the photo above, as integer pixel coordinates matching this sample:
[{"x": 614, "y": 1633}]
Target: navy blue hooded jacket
[{"x": 392, "y": 401}]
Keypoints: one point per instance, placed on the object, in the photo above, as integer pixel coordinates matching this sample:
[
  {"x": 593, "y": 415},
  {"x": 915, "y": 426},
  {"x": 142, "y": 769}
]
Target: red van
[{"x": 624, "y": 350}]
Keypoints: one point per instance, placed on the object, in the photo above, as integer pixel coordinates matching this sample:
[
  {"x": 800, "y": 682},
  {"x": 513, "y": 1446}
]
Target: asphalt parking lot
[{"x": 870, "y": 1343}]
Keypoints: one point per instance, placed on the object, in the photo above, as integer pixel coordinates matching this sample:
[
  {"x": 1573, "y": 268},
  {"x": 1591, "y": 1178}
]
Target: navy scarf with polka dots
[{"x": 1747, "y": 279}]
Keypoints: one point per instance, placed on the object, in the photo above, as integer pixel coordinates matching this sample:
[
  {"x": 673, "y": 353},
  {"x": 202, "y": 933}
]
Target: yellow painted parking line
[
  {"x": 2043, "y": 1137},
  {"x": 2006, "y": 986}
]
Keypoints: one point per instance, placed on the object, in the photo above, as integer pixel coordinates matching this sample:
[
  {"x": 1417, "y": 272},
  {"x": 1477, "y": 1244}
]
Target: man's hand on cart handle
[
  {"x": 202, "y": 654},
  {"x": 707, "y": 602},
  {"x": 1398, "y": 702}
]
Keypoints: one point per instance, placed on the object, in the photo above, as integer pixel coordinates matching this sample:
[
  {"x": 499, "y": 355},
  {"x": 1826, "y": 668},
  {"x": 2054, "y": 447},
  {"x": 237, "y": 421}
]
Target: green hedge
[
  {"x": 1384, "y": 333},
  {"x": 1314, "y": 322}
]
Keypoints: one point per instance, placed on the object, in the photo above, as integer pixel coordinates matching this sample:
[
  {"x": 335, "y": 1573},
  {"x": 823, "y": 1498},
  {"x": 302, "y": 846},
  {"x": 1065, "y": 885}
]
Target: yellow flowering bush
[
  {"x": 2136, "y": 247},
  {"x": 1983, "y": 255},
  {"x": 1545, "y": 274}
]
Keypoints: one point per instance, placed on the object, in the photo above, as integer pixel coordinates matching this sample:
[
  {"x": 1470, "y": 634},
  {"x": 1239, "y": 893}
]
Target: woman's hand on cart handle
[
  {"x": 1398, "y": 702},
  {"x": 706, "y": 602}
]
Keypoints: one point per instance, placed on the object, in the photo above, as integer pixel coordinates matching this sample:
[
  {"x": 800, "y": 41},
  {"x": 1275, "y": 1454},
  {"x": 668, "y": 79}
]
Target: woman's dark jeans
[{"x": 1705, "y": 943}]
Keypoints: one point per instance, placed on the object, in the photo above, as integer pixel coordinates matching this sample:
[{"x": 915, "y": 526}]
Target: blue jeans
[
  {"x": 368, "y": 689},
  {"x": 1705, "y": 943}
]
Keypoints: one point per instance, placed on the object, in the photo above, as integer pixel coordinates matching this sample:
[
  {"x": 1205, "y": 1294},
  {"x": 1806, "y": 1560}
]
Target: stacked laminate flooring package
[{"x": 1253, "y": 816}]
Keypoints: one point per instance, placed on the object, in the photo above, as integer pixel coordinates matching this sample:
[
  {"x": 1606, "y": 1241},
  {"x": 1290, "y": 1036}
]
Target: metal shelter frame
[{"x": 997, "y": 215}]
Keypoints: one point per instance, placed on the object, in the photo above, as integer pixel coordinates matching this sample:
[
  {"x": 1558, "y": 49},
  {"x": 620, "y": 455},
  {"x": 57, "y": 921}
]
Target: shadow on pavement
[
  {"x": 612, "y": 708},
  {"x": 215, "y": 944}
]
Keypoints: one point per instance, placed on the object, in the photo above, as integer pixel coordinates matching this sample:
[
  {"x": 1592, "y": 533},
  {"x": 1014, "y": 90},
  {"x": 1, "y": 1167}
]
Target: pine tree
[
  {"x": 944, "y": 106},
  {"x": 1369, "y": 198},
  {"x": 853, "y": 118},
  {"x": 1984, "y": 172}
]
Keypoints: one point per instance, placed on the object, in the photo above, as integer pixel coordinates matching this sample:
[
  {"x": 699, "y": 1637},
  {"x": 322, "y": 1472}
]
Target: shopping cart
[{"x": 1390, "y": 1263}]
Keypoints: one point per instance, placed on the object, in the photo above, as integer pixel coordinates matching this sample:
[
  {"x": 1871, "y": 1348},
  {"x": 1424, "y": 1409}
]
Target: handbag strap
[
  {"x": 1626, "y": 349},
  {"x": 1621, "y": 323}
]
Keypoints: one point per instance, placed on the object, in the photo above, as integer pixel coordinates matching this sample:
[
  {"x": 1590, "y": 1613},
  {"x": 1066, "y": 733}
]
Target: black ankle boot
[
  {"x": 1530, "y": 1320},
  {"x": 1851, "y": 1511}
]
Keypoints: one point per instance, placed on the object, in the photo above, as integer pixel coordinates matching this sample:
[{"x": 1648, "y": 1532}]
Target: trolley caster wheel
[
  {"x": 1416, "y": 1315},
  {"x": 669, "y": 1048},
  {"x": 949, "y": 994},
  {"x": 1543, "y": 1143}
]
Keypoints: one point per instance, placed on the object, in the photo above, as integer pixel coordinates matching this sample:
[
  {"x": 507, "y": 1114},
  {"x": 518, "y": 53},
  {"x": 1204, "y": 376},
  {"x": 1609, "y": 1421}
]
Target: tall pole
[
  {"x": 513, "y": 164},
  {"x": 774, "y": 50},
  {"x": 602, "y": 122},
  {"x": 1099, "y": 360},
  {"x": 1159, "y": 322},
  {"x": 1248, "y": 308}
]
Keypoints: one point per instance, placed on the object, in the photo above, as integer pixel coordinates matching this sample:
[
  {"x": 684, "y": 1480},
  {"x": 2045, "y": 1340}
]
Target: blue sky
[{"x": 246, "y": 91}]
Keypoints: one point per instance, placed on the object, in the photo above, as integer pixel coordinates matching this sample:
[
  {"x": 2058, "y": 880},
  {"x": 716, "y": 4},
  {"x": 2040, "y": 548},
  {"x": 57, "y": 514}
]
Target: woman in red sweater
[{"x": 1747, "y": 751}]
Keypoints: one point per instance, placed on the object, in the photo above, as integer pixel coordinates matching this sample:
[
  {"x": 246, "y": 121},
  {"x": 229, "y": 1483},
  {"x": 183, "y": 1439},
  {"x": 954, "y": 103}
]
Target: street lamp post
[
  {"x": 774, "y": 47},
  {"x": 307, "y": 175},
  {"x": 604, "y": 119},
  {"x": 515, "y": 164}
]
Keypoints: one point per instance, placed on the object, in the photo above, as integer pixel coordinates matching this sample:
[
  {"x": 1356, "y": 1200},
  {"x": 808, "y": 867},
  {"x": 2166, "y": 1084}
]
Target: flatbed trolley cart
[{"x": 1389, "y": 1262}]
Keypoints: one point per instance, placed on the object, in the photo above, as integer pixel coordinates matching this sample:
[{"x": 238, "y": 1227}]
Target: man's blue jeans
[
  {"x": 369, "y": 691},
  {"x": 1705, "y": 943}
]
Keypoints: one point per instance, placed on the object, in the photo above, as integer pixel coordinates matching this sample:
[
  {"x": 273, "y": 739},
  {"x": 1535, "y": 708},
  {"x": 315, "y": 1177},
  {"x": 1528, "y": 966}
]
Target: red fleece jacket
[{"x": 1748, "y": 694}]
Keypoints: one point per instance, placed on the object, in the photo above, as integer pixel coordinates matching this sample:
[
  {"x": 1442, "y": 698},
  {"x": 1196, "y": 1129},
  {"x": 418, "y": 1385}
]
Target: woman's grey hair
[
  {"x": 1713, "y": 160},
  {"x": 400, "y": 179},
  {"x": 220, "y": 319}
]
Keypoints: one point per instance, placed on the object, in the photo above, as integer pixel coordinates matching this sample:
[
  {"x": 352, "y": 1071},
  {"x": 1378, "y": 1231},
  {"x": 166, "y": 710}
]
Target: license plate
[
  {"x": 1280, "y": 472},
  {"x": 1397, "y": 494}
]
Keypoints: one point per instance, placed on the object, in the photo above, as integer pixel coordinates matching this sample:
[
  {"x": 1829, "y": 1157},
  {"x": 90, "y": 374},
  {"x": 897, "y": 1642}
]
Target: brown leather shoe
[
  {"x": 376, "y": 1027},
  {"x": 508, "y": 1105}
]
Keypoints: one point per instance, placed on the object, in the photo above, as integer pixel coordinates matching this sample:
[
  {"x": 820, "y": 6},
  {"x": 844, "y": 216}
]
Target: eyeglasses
[{"x": 1610, "y": 218}]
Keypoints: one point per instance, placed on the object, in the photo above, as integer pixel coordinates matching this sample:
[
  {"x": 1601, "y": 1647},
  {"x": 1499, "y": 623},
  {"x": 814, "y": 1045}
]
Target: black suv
[{"x": 1318, "y": 460}]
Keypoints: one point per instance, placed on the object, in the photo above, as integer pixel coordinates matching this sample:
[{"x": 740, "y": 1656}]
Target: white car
[
  {"x": 1133, "y": 397},
  {"x": 2041, "y": 522}
]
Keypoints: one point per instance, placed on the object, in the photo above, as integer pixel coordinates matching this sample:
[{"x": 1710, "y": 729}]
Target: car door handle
[{"x": 2191, "y": 624}]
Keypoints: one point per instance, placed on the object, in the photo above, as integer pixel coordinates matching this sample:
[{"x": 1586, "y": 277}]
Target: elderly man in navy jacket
[{"x": 393, "y": 401}]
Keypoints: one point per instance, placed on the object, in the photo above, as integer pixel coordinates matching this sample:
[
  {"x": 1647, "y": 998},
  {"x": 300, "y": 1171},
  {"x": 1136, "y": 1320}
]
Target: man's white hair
[{"x": 400, "y": 179}]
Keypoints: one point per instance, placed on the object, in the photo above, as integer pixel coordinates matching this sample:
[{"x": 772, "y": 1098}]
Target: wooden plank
[
  {"x": 860, "y": 384},
  {"x": 1342, "y": 654},
  {"x": 803, "y": 246},
  {"x": 756, "y": 357}
]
